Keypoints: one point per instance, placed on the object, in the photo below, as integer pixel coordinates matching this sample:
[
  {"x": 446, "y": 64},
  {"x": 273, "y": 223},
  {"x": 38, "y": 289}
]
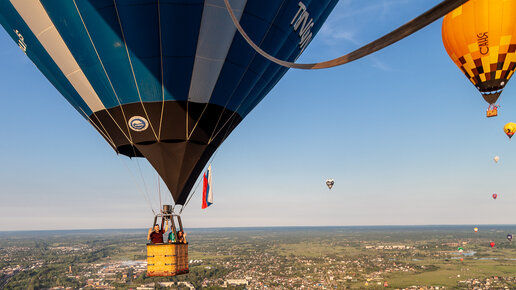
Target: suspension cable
[
  {"x": 401, "y": 32},
  {"x": 145, "y": 194},
  {"x": 159, "y": 191},
  {"x": 191, "y": 195},
  {"x": 141, "y": 172},
  {"x": 209, "y": 162}
]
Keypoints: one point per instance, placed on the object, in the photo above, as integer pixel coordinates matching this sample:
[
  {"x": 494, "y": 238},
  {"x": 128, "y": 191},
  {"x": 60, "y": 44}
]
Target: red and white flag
[{"x": 207, "y": 196}]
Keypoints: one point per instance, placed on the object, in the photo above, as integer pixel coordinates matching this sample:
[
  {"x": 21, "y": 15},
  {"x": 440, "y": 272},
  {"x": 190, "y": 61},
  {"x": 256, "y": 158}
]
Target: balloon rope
[
  {"x": 129, "y": 138},
  {"x": 209, "y": 162},
  {"x": 132, "y": 69},
  {"x": 108, "y": 138},
  {"x": 401, "y": 32},
  {"x": 141, "y": 174},
  {"x": 161, "y": 66},
  {"x": 144, "y": 193},
  {"x": 159, "y": 191},
  {"x": 194, "y": 191}
]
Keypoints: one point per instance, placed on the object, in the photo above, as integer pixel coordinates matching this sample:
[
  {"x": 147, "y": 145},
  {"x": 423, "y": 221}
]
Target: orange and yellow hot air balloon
[
  {"x": 509, "y": 129},
  {"x": 480, "y": 37}
]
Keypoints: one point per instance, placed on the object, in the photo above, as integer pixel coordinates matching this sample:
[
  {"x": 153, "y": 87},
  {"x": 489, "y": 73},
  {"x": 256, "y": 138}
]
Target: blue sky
[{"x": 402, "y": 132}]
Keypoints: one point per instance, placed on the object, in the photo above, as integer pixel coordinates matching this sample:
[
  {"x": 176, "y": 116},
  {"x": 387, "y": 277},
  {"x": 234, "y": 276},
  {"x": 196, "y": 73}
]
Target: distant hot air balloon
[
  {"x": 509, "y": 129},
  {"x": 475, "y": 229},
  {"x": 480, "y": 37},
  {"x": 461, "y": 259},
  {"x": 461, "y": 250},
  {"x": 496, "y": 159},
  {"x": 495, "y": 195},
  {"x": 492, "y": 244},
  {"x": 509, "y": 237},
  {"x": 330, "y": 182}
]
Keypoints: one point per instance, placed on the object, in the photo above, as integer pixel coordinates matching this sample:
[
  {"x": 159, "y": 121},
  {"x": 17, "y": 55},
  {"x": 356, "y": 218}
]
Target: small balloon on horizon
[{"x": 330, "y": 182}]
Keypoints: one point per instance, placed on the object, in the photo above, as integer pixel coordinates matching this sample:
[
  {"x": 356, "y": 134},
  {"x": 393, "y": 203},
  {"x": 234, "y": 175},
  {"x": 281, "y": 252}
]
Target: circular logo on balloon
[{"x": 138, "y": 123}]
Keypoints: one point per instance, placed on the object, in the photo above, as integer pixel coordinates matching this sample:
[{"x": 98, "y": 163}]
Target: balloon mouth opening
[
  {"x": 491, "y": 89},
  {"x": 491, "y": 96}
]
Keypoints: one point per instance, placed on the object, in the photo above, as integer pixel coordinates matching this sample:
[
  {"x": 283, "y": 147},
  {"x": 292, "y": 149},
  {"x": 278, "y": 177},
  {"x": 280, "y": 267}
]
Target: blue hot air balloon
[{"x": 167, "y": 80}]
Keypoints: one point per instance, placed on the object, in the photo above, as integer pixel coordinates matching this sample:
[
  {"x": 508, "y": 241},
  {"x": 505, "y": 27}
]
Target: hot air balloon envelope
[
  {"x": 509, "y": 237},
  {"x": 480, "y": 37},
  {"x": 496, "y": 159},
  {"x": 164, "y": 80},
  {"x": 492, "y": 244},
  {"x": 509, "y": 129},
  {"x": 495, "y": 195},
  {"x": 475, "y": 229}
]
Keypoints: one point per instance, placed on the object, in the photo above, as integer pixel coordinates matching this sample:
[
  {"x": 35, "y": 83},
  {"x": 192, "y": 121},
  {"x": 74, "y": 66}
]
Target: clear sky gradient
[{"x": 402, "y": 132}]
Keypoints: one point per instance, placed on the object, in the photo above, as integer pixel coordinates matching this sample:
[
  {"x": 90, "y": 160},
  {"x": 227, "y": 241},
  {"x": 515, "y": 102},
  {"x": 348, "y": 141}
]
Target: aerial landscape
[
  {"x": 400, "y": 257},
  {"x": 257, "y": 144}
]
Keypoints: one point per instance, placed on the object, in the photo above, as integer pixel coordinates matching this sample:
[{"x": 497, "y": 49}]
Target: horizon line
[{"x": 262, "y": 227}]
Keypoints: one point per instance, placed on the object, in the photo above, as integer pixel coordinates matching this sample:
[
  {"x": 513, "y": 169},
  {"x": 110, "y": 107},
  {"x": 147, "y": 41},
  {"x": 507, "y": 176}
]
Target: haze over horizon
[
  {"x": 402, "y": 132},
  {"x": 484, "y": 228}
]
